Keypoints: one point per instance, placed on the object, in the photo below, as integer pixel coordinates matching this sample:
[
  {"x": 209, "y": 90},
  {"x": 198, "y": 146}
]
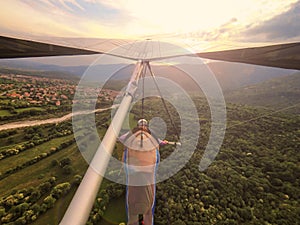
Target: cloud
[
  {"x": 71, "y": 18},
  {"x": 283, "y": 27},
  {"x": 204, "y": 20},
  {"x": 228, "y": 29},
  {"x": 266, "y": 22}
]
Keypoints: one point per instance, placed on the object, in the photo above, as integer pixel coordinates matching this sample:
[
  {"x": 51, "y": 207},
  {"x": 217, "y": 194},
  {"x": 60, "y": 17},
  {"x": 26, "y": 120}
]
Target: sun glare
[
  {"x": 168, "y": 16},
  {"x": 178, "y": 16}
]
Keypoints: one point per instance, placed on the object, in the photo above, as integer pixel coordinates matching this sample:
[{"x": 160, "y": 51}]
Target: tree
[
  {"x": 36, "y": 208},
  {"x": 43, "y": 208},
  {"x": 77, "y": 179},
  {"x": 10, "y": 201},
  {"x": 179, "y": 222},
  {"x": 7, "y": 218},
  {"x": 49, "y": 201},
  {"x": 20, "y": 221},
  {"x": 54, "y": 163},
  {"x": 2, "y": 211},
  {"x": 35, "y": 195},
  {"x": 21, "y": 208},
  {"x": 60, "y": 189},
  {"x": 65, "y": 161},
  {"x": 28, "y": 214},
  {"x": 67, "y": 169},
  {"x": 45, "y": 187}
]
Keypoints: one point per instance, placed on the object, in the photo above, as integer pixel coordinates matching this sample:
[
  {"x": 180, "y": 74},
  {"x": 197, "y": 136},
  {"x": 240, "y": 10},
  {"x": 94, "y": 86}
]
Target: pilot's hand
[{"x": 164, "y": 142}]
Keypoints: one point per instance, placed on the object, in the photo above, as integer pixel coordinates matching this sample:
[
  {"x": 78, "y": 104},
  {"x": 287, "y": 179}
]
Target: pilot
[{"x": 141, "y": 158}]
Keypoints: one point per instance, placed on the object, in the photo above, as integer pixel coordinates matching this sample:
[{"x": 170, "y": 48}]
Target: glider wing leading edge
[{"x": 282, "y": 55}]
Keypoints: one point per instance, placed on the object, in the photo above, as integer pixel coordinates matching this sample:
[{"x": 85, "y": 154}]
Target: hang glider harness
[{"x": 141, "y": 158}]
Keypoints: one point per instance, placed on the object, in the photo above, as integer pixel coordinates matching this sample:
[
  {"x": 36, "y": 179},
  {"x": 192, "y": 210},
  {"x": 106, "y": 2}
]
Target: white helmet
[{"x": 142, "y": 122}]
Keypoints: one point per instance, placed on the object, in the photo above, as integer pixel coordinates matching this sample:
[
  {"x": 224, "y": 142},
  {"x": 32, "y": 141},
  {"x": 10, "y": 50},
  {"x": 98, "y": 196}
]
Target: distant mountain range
[
  {"x": 235, "y": 75},
  {"x": 241, "y": 83},
  {"x": 278, "y": 93},
  {"x": 230, "y": 75},
  {"x": 31, "y": 65}
]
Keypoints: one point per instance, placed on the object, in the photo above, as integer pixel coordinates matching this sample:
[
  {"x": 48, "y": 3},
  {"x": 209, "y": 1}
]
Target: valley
[{"x": 253, "y": 180}]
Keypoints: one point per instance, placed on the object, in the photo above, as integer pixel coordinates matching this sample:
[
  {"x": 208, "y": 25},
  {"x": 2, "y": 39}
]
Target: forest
[{"x": 253, "y": 180}]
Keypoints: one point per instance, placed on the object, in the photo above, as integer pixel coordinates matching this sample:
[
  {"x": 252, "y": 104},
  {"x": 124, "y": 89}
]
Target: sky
[{"x": 212, "y": 20}]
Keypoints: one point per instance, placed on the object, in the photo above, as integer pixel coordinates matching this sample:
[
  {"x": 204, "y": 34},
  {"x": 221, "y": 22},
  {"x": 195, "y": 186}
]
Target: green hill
[
  {"x": 278, "y": 93},
  {"x": 39, "y": 73}
]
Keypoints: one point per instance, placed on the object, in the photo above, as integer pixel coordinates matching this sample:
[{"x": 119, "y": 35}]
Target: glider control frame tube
[{"x": 79, "y": 209}]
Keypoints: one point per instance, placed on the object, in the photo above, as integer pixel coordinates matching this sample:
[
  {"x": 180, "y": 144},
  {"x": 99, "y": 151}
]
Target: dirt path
[{"x": 47, "y": 121}]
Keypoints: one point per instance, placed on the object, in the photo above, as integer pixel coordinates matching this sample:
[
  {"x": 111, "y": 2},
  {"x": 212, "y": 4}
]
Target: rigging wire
[
  {"x": 163, "y": 101},
  {"x": 143, "y": 90},
  {"x": 143, "y": 98}
]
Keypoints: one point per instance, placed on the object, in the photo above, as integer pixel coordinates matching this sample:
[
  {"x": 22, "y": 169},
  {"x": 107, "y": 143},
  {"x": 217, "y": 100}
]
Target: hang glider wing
[
  {"x": 281, "y": 55},
  {"x": 20, "y": 48}
]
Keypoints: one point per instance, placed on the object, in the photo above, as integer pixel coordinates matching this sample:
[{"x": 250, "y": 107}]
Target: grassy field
[
  {"x": 55, "y": 214},
  {"x": 4, "y": 112},
  {"x": 21, "y": 110},
  {"x": 33, "y": 175},
  {"x": 115, "y": 212},
  {"x": 28, "y": 154}
]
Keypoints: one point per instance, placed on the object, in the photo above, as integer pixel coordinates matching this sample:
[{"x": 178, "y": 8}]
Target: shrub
[
  {"x": 60, "y": 189},
  {"x": 54, "y": 163},
  {"x": 49, "y": 201},
  {"x": 67, "y": 170},
  {"x": 77, "y": 179},
  {"x": 65, "y": 161}
]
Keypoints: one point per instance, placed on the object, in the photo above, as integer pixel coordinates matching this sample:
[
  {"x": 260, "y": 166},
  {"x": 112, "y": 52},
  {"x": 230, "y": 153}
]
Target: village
[{"x": 33, "y": 90}]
